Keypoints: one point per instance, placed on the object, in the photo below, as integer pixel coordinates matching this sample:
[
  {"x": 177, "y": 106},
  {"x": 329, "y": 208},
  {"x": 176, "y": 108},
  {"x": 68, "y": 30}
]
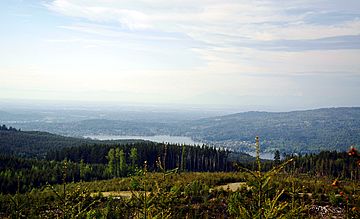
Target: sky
[{"x": 283, "y": 54}]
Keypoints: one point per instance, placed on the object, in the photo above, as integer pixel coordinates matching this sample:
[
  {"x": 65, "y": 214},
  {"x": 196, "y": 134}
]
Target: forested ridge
[
  {"x": 305, "y": 131},
  {"x": 37, "y": 144}
]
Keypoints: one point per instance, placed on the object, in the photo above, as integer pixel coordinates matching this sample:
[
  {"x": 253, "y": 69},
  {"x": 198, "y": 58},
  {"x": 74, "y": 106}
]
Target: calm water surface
[
  {"x": 168, "y": 139},
  {"x": 155, "y": 138}
]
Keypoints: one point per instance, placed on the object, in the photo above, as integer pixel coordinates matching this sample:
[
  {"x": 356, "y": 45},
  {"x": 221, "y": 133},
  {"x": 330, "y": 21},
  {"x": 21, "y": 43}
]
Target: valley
[{"x": 308, "y": 131}]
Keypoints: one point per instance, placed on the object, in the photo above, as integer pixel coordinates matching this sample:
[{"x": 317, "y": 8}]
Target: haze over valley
[{"x": 308, "y": 131}]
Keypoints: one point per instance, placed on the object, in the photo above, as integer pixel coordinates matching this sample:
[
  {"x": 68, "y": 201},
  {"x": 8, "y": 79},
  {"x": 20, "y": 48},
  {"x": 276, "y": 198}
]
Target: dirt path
[
  {"x": 117, "y": 194},
  {"x": 232, "y": 186},
  {"x": 127, "y": 194}
]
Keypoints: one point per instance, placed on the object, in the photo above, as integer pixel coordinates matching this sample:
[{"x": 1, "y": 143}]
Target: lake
[
  {"x": 168, "y": 139},
  {"x": 155, "y": 138},
  {"x": 263, "y": 155}
]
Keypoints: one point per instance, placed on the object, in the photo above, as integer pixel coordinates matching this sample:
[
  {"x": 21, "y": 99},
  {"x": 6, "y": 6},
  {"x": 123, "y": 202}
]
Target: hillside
[
  {"x": 37, "y": 144},
  {"x": 297, "y": 131}
]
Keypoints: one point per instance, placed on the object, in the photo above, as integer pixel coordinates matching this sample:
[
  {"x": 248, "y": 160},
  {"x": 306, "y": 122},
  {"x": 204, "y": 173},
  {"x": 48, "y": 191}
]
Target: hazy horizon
[
  {"x": 211, "y": 109},
  {"x": 233, "y": 55}
]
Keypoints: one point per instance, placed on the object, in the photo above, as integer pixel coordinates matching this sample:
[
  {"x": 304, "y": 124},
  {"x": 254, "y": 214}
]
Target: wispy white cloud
[
  {"x": 115, "y": 32},
  {"x": 262, "y": 20},
  {"x": 229, "y": 24},
  {"x": 132, "y": 19}
]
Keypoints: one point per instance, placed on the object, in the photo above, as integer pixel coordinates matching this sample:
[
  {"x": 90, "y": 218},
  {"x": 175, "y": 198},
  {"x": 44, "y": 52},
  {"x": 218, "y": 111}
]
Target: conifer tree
[
  {"x": 117, "y": 162},
  {"x": 183, "y": 158},
  {"x": 277, "y": 157},
  {"x": 133, "y": 158},
  {"x": 111, "y": 162},
  {"x": 82, "y": 169},
  {"x": 122, "y": 163}
]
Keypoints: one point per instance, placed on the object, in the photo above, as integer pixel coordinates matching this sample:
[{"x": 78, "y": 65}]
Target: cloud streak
[
  {"x": 261, "y": 25},
  {"x": 262, "y": 20}
]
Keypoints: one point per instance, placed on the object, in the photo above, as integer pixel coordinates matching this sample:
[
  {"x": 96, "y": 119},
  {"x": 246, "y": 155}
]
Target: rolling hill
[
  {"x": 297, "y": 131},
  {"x": 37, "y": 144}
]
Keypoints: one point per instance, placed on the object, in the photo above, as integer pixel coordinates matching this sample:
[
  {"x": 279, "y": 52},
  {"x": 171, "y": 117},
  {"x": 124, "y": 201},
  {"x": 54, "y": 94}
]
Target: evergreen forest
[{"x": 43, "y": 175}]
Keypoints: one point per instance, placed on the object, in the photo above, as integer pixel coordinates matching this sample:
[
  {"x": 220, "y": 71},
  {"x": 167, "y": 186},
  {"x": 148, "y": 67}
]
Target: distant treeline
[{"x": 5, "y": 128}]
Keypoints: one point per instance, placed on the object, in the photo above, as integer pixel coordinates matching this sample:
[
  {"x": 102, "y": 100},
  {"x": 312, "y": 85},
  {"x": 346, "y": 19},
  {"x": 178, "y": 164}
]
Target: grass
[
  {"x": 193, "y": 195},
  {"x": 130, "y": 183},
  {"x": 242, "y": 194}
]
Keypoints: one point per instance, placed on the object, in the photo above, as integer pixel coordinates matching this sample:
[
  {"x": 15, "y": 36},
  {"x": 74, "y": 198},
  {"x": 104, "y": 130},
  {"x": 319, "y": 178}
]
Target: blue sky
[{"x": 286, "y": 54}]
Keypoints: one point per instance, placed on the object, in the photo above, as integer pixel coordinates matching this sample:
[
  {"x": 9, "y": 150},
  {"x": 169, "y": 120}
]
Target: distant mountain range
[{"x": 289, "y": 132}]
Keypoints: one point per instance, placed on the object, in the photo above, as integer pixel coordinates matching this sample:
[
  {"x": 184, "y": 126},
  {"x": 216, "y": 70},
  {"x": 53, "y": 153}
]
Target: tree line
[
  {"x": 182, "y": 157},
  {"x": 23, "y": 174},
  {"x": 101, "y": 161},
  {"x": 327, "y": 163},
  {"x": 96, "y": 162}
]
